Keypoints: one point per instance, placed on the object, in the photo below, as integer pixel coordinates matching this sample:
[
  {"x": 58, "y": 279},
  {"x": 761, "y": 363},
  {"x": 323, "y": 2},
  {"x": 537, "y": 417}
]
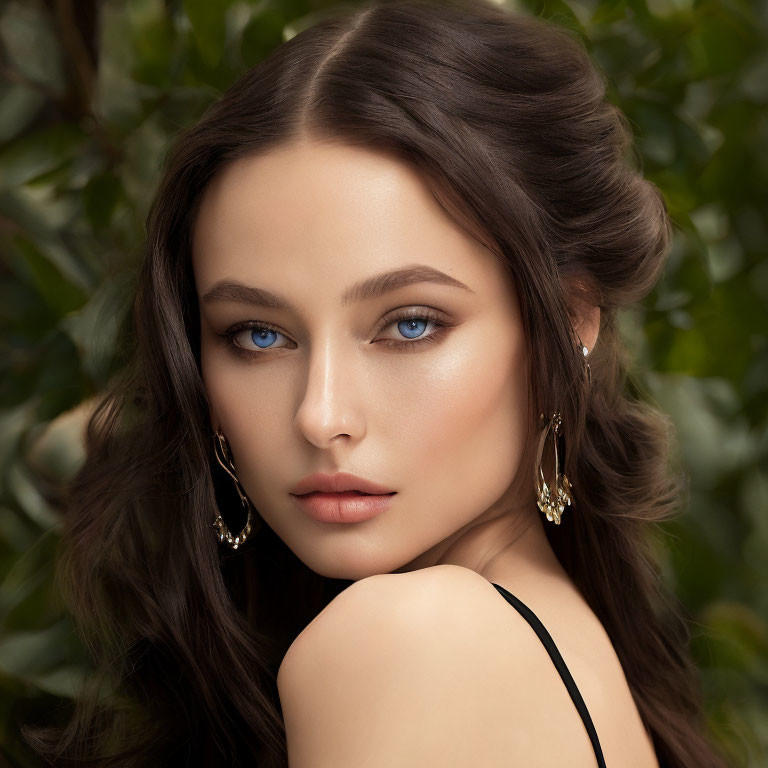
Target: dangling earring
[
  {"x": 224, "y": 457},
  {"x": 552, "y": 503}
]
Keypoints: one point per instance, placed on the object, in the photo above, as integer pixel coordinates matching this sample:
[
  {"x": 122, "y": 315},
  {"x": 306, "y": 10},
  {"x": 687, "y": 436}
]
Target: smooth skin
[{"x": 420, "y": 662}]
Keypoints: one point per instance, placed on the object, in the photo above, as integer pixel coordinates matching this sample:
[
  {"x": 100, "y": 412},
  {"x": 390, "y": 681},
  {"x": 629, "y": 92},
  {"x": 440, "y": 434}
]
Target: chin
[{"x": 354, "y": 567}]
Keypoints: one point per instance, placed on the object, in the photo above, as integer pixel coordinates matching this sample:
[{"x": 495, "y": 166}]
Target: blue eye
[
  {"x": 411, "y": 324},
  {"x": 262, "y": 337},
  {"x": 418, "y": 322}
]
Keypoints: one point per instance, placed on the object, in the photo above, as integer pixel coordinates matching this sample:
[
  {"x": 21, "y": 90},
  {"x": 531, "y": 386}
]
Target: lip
[
  {"x": 338, "y": 483},
  {"x": 343, "y": 507}
]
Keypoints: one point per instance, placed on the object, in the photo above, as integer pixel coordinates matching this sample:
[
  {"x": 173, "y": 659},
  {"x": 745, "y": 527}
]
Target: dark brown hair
[{"x": 507, "y": 119}]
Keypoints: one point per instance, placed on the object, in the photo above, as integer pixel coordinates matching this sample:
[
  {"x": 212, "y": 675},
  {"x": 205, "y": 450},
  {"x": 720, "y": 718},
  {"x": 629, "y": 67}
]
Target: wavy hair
[{"x": 506, "y": 118}]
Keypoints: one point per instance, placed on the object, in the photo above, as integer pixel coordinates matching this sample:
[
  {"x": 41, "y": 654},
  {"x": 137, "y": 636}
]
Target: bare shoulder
[
  {"x": 424, "y": 668},
  {"x": 385, "y": 608}
]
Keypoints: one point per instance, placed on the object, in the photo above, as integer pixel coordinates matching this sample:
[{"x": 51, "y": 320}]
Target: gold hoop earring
[
  {"x": 224, "y": 457},
  {"x": 552, "y": 504}
]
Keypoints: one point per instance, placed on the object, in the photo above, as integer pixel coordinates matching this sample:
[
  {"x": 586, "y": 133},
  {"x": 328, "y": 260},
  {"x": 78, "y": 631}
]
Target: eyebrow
[{"x": 370, "y": 288}]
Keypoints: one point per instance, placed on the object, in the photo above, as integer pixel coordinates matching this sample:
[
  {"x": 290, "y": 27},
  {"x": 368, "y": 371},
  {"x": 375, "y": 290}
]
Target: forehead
[{"x": 308, "y": 208}]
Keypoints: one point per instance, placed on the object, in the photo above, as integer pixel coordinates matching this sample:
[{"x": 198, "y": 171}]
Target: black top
[{"x": 554, "y": 654}]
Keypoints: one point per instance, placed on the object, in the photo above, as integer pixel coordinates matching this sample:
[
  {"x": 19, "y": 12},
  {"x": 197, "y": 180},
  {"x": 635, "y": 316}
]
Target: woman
[{"x": 375, "y": 436}]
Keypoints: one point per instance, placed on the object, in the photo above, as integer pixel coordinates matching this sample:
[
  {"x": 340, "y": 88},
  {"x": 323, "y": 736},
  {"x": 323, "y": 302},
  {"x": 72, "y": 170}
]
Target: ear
[{"x": 587, "y": 326}]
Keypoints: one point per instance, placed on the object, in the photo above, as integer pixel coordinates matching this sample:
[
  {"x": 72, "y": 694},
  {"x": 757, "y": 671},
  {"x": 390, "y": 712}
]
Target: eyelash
[{"x": 228, "y": 337}]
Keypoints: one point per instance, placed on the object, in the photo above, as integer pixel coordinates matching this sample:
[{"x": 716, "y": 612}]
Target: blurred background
[{"x": 91, "y": 95}]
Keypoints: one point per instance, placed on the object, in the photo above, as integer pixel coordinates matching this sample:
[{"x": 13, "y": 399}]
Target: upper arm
[{"x": 398, "y": 673}]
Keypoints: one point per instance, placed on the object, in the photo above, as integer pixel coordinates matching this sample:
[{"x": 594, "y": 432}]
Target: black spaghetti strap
[{"x": 565, "y": 674}]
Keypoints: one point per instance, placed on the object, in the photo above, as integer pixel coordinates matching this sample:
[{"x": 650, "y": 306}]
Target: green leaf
[
  {"x": 208, "y": 27},
  {"x": 100, "y": 196},
  {"x": 61, "y": 295},
  {"x": 37, "y": 153}
]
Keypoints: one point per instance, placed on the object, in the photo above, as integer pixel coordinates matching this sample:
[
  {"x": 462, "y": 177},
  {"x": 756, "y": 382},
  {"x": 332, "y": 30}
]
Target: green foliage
[{"x": 91, "y": 101}]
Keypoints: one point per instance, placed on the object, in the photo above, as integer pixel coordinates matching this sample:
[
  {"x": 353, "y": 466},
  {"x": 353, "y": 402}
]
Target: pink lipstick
[{"x": 346, "y": 507}]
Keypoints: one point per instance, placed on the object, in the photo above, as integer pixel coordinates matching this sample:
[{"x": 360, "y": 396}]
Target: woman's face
[{"x": 433, "y": 406}]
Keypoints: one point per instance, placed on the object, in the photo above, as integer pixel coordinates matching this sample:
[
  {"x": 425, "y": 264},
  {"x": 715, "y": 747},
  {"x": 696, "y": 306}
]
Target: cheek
[
  {"x": 465, "y": 428},
  {"x": 250, "y": 406}
]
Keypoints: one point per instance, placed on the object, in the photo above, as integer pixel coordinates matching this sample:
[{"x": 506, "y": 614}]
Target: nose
[{"x": 330, "y": 406}]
